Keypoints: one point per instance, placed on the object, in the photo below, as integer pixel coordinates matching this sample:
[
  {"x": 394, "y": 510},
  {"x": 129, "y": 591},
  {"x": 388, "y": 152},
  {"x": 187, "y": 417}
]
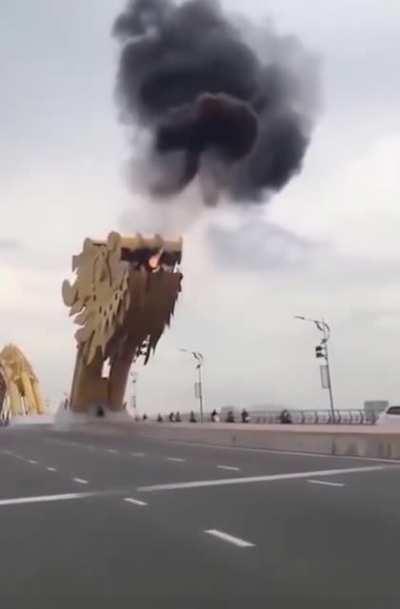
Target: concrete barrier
[{"x": 376, "y": 442}]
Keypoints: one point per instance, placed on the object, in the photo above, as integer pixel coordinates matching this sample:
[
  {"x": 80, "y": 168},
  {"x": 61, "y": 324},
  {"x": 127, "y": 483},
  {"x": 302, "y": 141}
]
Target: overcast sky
[{"x": 327, "y": 245}]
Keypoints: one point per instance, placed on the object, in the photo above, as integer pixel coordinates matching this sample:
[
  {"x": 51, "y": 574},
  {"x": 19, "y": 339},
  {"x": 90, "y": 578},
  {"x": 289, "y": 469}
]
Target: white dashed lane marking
[
  {"x": 322, "y": 483},
  {"x": 135, "y": 502},
  {"x": 51, "y": 469},
  {"x": 229, "y": 468},
  {"x": 80, "y": 480},
  {"x": 176, "y": 460},
  {"x": 236, "y": 541},
  {"x": 32, "y": 461}
]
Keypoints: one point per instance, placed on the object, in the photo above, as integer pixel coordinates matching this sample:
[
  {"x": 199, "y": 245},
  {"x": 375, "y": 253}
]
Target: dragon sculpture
[
  {"x": 123, "y": 298},
  {"x": 20, "y": 392},
  {"x": 3, "y": 390}
]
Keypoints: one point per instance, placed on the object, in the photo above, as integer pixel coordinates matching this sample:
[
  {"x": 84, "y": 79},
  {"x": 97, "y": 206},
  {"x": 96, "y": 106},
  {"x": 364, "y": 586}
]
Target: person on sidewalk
[
  {"x": 245, "y": 416},
  {"x": 285, "y": 417},
  {"x": 230, "y": 417}
]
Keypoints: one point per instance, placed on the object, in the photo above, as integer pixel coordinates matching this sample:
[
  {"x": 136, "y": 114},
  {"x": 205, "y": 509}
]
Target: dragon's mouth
[
  {"x": 144, "y": 252},
  {"x": 151, "y": 257}
]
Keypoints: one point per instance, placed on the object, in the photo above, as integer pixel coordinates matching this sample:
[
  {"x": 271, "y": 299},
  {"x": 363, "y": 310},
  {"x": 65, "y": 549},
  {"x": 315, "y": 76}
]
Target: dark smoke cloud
[{"x": 221, "y": 103}]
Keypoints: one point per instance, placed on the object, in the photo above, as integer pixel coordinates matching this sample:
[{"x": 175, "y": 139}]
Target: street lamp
[
  {"x": 322, "y": 351},
  {"x": 134, "y": 377},
  {"x": 199, "y": 357}
]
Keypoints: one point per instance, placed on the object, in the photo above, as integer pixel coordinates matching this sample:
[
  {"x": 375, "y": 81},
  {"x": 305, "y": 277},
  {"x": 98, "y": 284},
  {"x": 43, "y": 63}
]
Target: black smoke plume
[{"x": 232, "y": 109}]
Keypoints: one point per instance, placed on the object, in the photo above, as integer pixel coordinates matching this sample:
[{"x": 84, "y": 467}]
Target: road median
[{"x": 361, "y": 441}]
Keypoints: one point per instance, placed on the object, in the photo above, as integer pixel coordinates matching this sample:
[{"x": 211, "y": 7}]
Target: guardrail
[
  {"x": 318, "y": 417},
  {"x": 351, "y": 416}
]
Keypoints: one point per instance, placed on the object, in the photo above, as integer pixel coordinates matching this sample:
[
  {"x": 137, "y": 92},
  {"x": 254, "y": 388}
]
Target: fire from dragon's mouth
[{"x": 155, "y": 261}]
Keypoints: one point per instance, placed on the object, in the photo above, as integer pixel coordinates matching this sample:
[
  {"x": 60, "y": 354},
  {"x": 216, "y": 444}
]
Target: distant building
[{"x": 373, "y": 408}]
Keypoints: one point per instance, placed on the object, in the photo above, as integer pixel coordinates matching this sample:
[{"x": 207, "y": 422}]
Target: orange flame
[{"x": 154, "y": 261}]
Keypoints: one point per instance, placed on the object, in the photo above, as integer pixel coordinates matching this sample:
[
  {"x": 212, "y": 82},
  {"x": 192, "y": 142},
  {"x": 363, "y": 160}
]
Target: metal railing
[{"x": 350, "y": 416}]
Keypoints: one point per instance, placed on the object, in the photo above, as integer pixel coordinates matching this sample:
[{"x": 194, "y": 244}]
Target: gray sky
[{"x": 327, "y": 245}]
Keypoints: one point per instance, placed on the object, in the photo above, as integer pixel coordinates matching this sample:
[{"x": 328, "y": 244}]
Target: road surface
[{"x": 108, "y": 518}]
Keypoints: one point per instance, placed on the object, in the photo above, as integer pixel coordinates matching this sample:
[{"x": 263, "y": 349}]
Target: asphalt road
[{"x": 112, "y": 519}]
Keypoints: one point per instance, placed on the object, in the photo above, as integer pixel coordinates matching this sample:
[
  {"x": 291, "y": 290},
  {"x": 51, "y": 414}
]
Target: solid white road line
[
  {"x": 138, "y": 455},
  {"x": 20, "y": 458},
  {"x": 176, "y": 460},
  {"x": 135, "y": 502},
  {"x": 65, "y": 443},
  {"x": 51, "y": 469},
  {"x": 44, "y": 498},
  {"x": 270, "y": 478},
  {"x": 236, "y": 541},
  {"x": 32, "y": 461},
  {"x": 229, "y": 468},
  {"x": 325, "y": 483},
  {"x": 80, "y": 480}
]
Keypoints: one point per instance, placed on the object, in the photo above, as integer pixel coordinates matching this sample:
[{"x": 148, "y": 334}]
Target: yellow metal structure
[
  {"x": 123, "y": 297},
  {"x": 20, "y": 392}
]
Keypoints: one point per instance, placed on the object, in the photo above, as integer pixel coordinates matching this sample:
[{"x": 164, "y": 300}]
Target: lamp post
[
  {"x": 322, "y": 351},
  {"x": 134, "y": 377},
  {"x": 199, "y": 358}
]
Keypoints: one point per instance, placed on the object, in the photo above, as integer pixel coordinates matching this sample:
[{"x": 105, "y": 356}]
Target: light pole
[
  {"x": 199, "y": 357},
  {"x": 322, "y": 351},
  {"x": 134, "y": 377}
]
